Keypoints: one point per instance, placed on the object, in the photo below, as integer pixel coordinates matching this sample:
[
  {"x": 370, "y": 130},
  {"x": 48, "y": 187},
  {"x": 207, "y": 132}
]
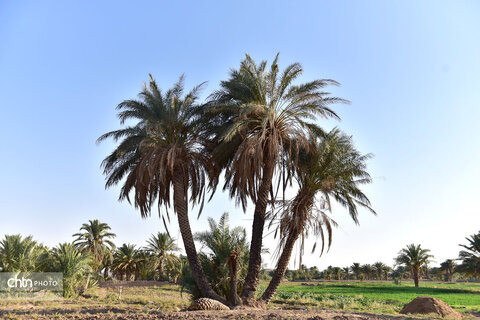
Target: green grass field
[{"x": 384, "y": 297}]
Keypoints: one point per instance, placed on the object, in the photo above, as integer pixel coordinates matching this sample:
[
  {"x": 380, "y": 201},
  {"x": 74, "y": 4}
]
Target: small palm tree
[
  {"x": 19, "y": 254},
  {"x": 162, "y": 246},
  {"x": 258, "y": 116},
  {"x": 162, "y": 150},
  {"x": 470, "y": 257},
  {"x": 331, "y": 170},
  {"x": 356, "y": 269},
  {"x": 226, "y": 257},
  {"x": 74, "y": 265},
  {"x": 346, "y": 272},
  {"x": 449, "y": 267},
  {"x": 95, "y": 238},
  {"x": 414, "y": 258}
]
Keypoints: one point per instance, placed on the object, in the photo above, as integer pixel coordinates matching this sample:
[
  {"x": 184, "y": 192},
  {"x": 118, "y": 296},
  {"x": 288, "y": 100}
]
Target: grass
[{"x": 380, "y": 297}]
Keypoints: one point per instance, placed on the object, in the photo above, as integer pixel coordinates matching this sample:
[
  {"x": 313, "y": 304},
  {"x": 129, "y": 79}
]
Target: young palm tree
[
  {"x": 414, "y": 257},
  {"x": 258, "y": 116},
  {"x": 19, "y": 254},
  {"x": 356, "y": 269},
  {"x": 162, "y": 246},
  {"x": 332, "y": 169},
  {"x": 161, "y": 151},
  {"x": 95, "y": 238},
  {"x": 470, "y": 257},
  {"x": 74, "y": 265},
  {"x": 226, "y": 257},
  {"x": 449, "y": 267}
]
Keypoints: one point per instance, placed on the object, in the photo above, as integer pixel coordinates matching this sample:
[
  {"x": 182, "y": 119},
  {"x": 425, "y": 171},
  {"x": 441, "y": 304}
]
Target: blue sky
[{"x": 410, "y": 69}]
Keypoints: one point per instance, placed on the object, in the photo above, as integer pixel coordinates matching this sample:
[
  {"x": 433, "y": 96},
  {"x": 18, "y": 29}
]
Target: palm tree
[
  {"x": 367, "y": 270},
  {"x": 126, "y": 261},
  {"x": 346, "y": 272},
  {"x": 356, "y": 269},
  {"x": 414, "y": 257},
  {"x": 74, "y": 265},
  {"x": 332, "y": 169},
  {"x": 386, "y": 271},
  {"x": 379, "y": 267},
  {"x": 95, "y": 238},
  {"x": 227, "y": 256},
  {"x": 259, "y": 117},
  {"x": 449, "y": 267},
  {"x": 161, "y": 246},
  {"x": 337, "y": 272},
  {"x": 470, "y": 257},
  {"x": 19, "y": 254},
  {"x": 163, "y": 150}
]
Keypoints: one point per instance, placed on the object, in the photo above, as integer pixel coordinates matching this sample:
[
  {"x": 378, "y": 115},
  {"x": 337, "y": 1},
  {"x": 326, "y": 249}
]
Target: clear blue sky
[{"x": 410, "y": 68}]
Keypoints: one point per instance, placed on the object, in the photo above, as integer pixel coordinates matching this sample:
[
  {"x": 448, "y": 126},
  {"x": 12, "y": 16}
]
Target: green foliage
[
  {"x": 74, "y": 265},
  {"x": 218, "y": 243},
  {"x": 470, "y": 257},
  {"x": 19, "y": 254},
  {"x": 161, "y": 246}
]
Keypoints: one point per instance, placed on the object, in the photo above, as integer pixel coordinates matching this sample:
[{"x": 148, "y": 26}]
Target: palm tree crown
[
  {"x": 95, "y": 237},
  {"x": 162, "y": 246}
]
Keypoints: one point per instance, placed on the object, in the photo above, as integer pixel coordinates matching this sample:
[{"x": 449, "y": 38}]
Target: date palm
[
  {"x": 19, "y": 254},
  {"x": 470, "y": 257},
  {"x": 226, "y": 256},
  {"x": 162, "y": 246},
  {"x": 331, "y": 170},
  {"x": 126, "y": 260},
  {"x": 258, "y": 116},
  {"x": 160, "y": 152},
  {"x": 95, "y": 238},
  {"x": 414, "y": 258},
  {"x": 449, "y": 267},
  {"x": 73, "y": 264},
  {"x": 356, "y": 269},
  {"x": 379, "y": 267}
]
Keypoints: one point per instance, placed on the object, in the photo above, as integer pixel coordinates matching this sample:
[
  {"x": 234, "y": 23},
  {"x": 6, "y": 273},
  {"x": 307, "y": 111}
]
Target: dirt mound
[{"x": 429, "y": 305}]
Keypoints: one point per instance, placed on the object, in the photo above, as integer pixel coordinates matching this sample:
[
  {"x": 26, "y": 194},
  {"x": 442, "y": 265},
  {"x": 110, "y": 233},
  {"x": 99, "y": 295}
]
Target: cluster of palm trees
[{"x": 257, "y": 133}]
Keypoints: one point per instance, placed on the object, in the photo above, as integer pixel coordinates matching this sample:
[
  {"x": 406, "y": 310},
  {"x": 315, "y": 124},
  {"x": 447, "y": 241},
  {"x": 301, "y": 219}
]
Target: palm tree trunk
[
  {"x": 233, "y": 298},
  {"x": 160, "y": 271},
  {"x": 181, "y": 208},
  {"x": 282, "y": 266},
  {"x": 255, "y": 259},
  {"x": 415, "y": 277}
]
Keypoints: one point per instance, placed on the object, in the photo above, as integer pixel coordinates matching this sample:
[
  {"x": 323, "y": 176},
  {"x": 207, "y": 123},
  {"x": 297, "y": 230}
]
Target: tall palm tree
[
  {"x": 95, "y": 238},
  {"x": 74, "y": 265},
  {"x": 449, "y": 267},
  {"x": 331, "y": 170},
  {"x": 260, "y": 117},
  {"x": 161, "y": 151},
  {"x": 414, "y": 258},
  {"x": 356, "y": 269},
  {"x": 226, "y": 256},
  {"x": 19, "y": 254},
  {"x": 162, "y": 247},
  {"x": 470, "y": 257}
]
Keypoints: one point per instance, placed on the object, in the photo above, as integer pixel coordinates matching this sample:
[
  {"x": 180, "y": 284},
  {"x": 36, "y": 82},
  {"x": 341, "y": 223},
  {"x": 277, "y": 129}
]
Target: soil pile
[{"x": 430, "y": 305}]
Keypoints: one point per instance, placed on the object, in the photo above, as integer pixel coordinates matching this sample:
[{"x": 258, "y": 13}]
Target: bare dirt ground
[{"x": 125, "y": 314}]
